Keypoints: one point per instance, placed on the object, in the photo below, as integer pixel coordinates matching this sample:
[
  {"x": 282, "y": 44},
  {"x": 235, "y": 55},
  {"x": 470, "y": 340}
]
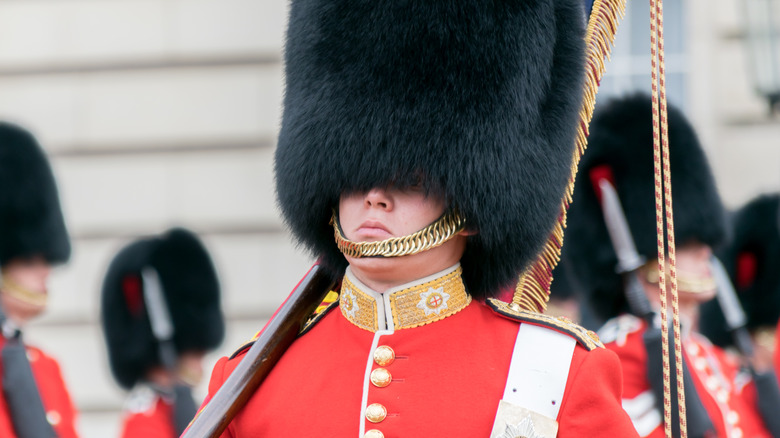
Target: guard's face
[
  {"x": 693, "y": 263},
  {"x": 382, "y": 213},
  {"x": 695, "y": 283},
  {"x": 24, "y": 292},
  {"x": 190, "y": 367}
]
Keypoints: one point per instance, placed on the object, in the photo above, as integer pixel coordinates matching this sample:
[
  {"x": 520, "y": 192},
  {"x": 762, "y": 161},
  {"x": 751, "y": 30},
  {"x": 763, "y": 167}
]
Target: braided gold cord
[
  {"x": 435, "y": 234},
  {"x": 663, "y": 185},
  {"x": 533, "y": 288}
]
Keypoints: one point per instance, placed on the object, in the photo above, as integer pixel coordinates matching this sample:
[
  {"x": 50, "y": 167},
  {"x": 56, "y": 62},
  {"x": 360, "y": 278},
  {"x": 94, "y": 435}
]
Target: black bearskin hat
[
  {"x": 191, "y": 289},
  {"x": 621, "y": 145},
  {"x": 31, "y": 222},
  {"x": 751, "y": 259},
  {"x": 478, "y": 98}
]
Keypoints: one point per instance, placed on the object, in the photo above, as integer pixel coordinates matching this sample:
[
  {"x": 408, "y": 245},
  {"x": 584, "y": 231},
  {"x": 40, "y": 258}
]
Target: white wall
[
  {"x": 155, "y": 113},
  {"x": 743, "y": 141}
]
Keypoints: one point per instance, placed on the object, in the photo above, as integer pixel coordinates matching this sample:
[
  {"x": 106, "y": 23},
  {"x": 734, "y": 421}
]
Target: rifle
[
  {"x": 629, "y": 262},
  {"x": 766, "y": 381},
  {"x": 266, "y": 351}
]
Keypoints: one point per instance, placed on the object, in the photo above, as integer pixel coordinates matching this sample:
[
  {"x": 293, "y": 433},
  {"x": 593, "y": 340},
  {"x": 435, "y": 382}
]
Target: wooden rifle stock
[{"x": 278, "y": 335}]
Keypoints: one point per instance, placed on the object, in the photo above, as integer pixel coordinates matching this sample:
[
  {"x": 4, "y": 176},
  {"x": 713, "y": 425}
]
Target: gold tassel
[{"x": 533, "y": 288}]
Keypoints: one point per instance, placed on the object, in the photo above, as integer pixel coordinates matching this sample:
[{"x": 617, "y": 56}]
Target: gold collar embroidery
[{"x": 410, "y": 305}]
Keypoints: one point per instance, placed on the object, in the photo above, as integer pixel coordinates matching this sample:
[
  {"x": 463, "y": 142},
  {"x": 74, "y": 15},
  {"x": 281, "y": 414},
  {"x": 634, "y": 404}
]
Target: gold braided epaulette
[
  {"x": 244, "y": 347},
  {"x": 586, "y": 338},
  {"x": 330, "y": 301}
]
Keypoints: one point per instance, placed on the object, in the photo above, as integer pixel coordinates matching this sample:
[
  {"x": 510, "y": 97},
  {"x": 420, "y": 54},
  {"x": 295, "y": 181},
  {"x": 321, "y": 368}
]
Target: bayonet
[
  {"x": 629, "y": 260},
  {"x": 159, "y": 316}
]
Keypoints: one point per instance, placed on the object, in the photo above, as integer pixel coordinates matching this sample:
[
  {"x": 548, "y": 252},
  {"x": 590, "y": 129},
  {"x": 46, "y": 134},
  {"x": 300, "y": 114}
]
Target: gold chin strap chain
[
  {"x": 687, "y": 283},
  {"x": 663, "y": 203},
  {"x": 435, "y": 234},
  {"x": 15, "y": 290}
]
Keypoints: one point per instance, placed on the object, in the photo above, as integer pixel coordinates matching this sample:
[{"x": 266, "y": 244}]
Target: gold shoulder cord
[
  {"x": 533, "y": 288},
  {"x": 435, "y": 234},
  {"x": 663, "y": 201}
]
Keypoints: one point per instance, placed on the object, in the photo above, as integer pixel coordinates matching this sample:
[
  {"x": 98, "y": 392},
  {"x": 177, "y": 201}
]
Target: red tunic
[
  {"x": 147, "y": 415},
  {"x": 777, "y": 349},
  {"x": 447, "y": 378},
  {"x": 728, "y": 396},
  {"x": 56, "y": 400}
]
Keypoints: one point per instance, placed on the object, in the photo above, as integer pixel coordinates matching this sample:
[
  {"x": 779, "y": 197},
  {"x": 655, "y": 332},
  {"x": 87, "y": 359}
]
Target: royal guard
[
  {"x": 751, "y": 258},
  {"x": 423, "y": 156},
  {"x": 611, "y": 247},
  {"x": 34, "y": 401},
  {"x": 161, "y": 313}
]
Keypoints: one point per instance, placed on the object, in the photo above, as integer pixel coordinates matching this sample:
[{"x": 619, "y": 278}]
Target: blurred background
[{"x": 158, "y": 113}]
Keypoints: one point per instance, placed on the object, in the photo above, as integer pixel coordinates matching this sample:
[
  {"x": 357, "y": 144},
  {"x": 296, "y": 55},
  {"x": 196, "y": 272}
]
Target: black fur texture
[
  {"x": 755, "y": 233},
  {"x": 192, "y": 293},
  {"x": 621, "y": 138},
  {"x": 478, "y": 97},
  {"x": 31, "y": 222}
]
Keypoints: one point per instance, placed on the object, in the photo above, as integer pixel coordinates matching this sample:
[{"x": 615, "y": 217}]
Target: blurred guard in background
[
  {"x": 752, "y": 260},
  {"x": 34, "y": 402},
  {"x": 620, "y": 153},
  {"x": 161, "y": 314}
]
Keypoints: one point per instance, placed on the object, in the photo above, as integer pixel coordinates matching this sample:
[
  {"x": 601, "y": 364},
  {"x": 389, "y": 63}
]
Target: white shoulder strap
[{"x": 539, "y": 369}]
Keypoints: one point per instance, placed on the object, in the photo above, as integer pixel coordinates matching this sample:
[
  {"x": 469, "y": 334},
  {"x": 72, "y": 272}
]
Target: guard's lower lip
[{"x": 373, "y": 232}]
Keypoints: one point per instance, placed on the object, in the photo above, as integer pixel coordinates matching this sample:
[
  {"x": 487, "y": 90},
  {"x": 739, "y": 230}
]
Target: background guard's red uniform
[
  {"x": 728, "y": 395},
  {"x": 147, "y": 415},
  {"x": 60, "y": 411}
]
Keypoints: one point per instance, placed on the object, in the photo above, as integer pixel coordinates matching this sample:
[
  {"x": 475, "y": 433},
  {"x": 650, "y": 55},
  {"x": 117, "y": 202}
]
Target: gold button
[
  {"x": 736, "y": 433},
  {"x": 375, "y": 413},
  {"x": 732, "y": 417},
  {"x": 53, "y": 417},
  {"x": 380, "y": 377},
  {"x": 373, "y": 433},
  {"x": 384, "y": 355}
]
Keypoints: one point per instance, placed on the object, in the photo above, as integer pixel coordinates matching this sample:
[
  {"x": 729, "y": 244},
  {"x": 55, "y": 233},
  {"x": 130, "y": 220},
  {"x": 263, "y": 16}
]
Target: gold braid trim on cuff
[
  {"x": 435, "y": 234},
  {"x": 12, "y": 289}
]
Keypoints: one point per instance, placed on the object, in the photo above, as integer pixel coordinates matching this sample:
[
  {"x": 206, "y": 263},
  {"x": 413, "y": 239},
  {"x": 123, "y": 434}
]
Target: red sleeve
[{"x": 592, "y": 401}]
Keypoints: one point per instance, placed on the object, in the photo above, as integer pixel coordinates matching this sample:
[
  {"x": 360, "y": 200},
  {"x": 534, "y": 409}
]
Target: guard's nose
[{"x": 378, "y": 198}]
